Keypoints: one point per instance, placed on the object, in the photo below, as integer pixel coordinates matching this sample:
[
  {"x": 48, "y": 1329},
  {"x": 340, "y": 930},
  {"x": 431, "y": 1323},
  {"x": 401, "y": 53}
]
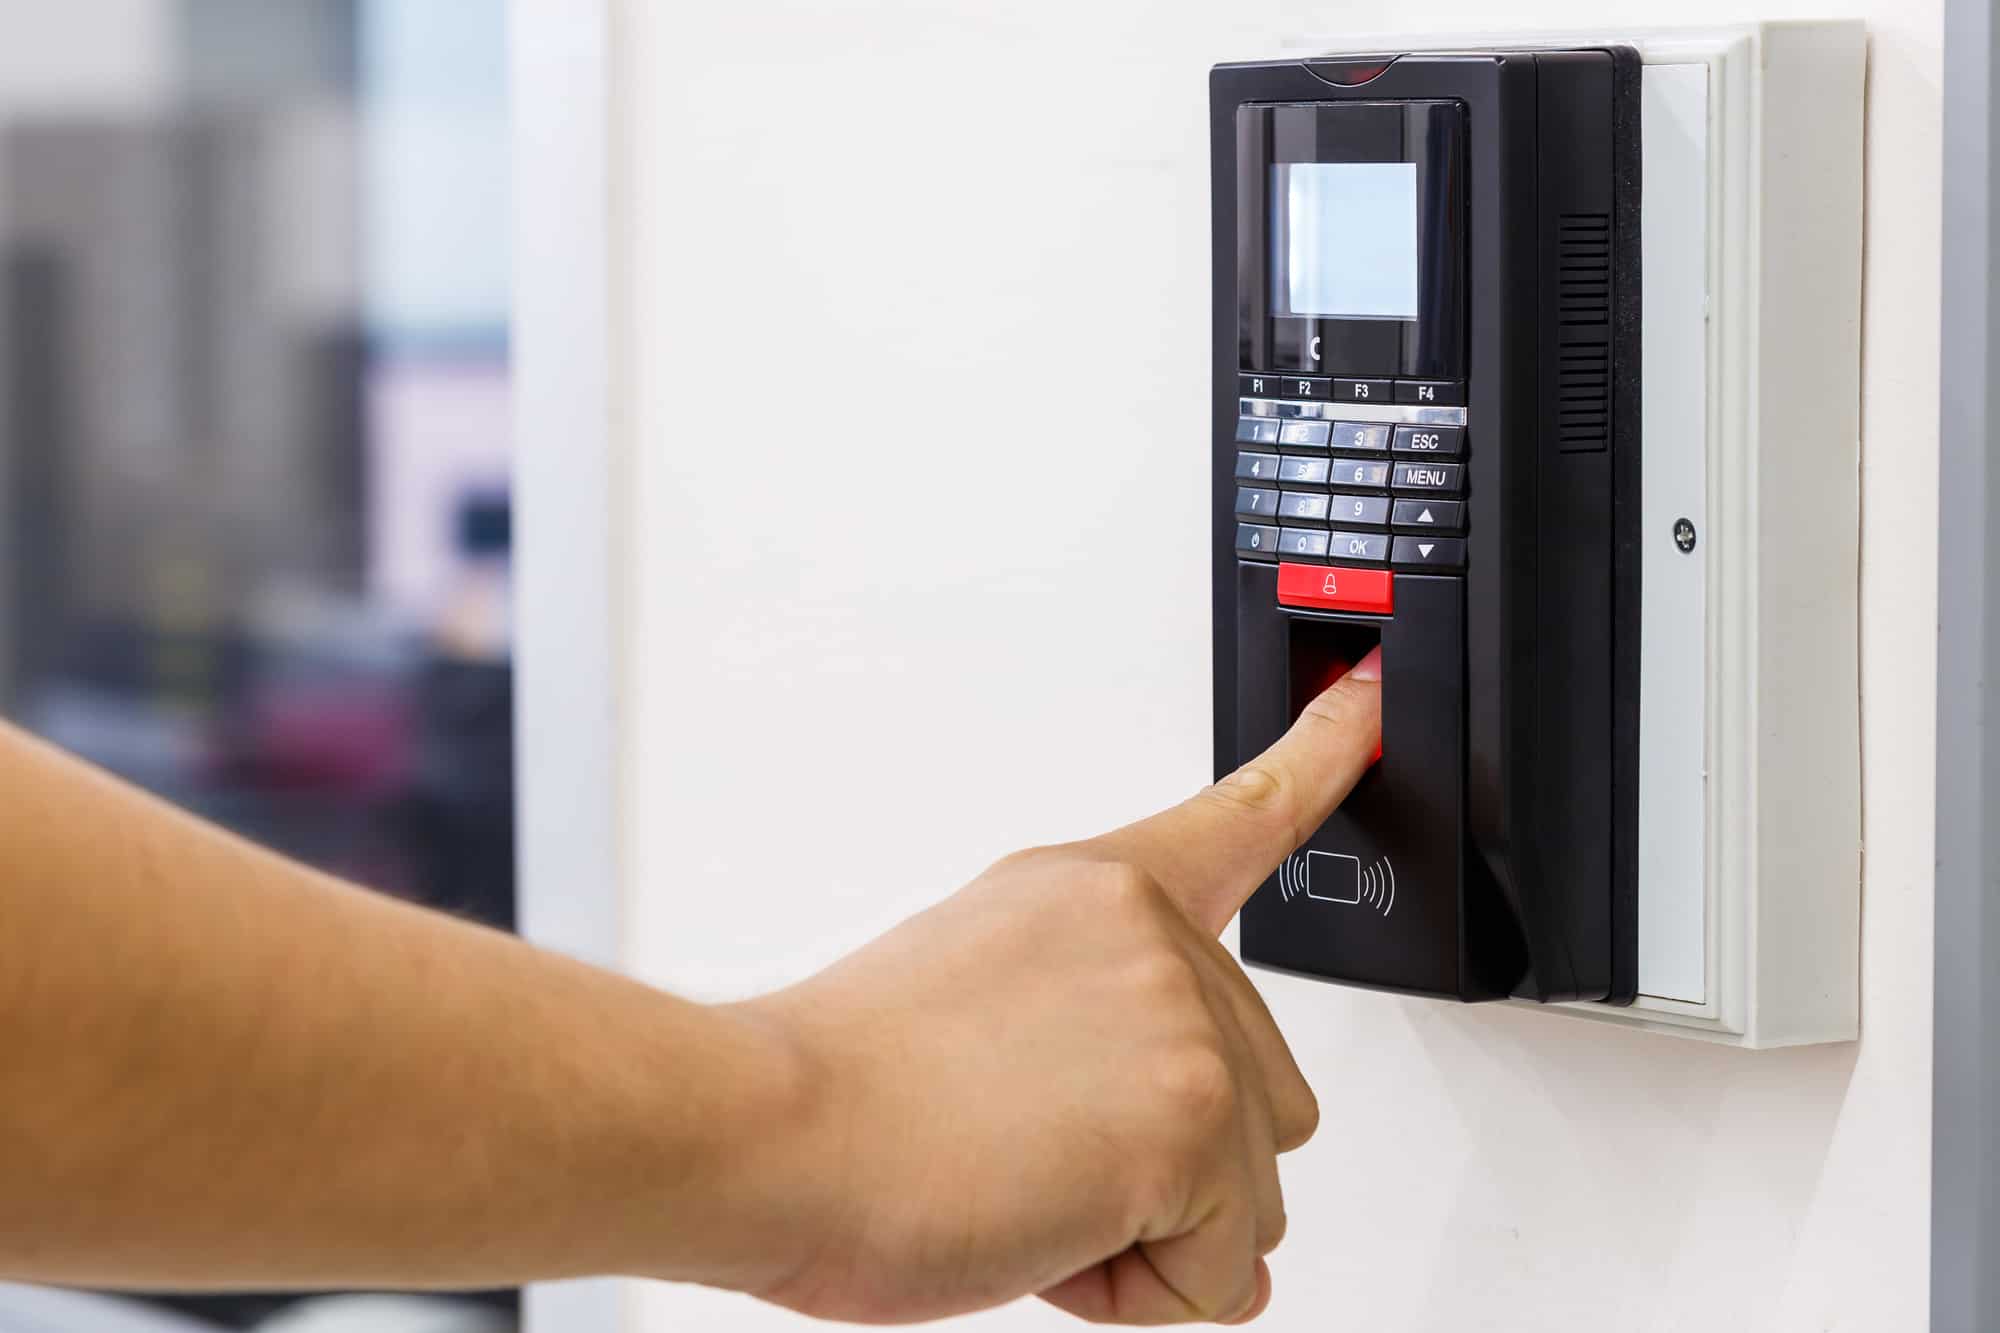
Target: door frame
[
  {"x": 567, "y": 472},
  {"x": 1965, "y": 1114}
]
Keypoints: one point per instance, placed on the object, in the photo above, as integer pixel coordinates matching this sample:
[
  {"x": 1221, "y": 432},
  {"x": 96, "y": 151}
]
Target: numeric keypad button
[
  {"x": 1255, "y": 502},
  {"x": 1307, "y": 542},
  {"x": 1305, "y": 434},
  {"x": 1304, "y": 471},
  {"x": 1364, "y": 509},
  {"x": 1256, "y": 430},
  {"x": 1256, "y": 467},
  {"x": 1360, "y": 472},
  {"x": 1257, "y": 540},
  {"x": 1359, "y": 435},
  {"x": 1304, "y": 506}
]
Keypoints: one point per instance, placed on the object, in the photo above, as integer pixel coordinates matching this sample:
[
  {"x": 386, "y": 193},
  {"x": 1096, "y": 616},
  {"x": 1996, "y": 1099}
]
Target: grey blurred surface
[{"x": 255, "y": 520}]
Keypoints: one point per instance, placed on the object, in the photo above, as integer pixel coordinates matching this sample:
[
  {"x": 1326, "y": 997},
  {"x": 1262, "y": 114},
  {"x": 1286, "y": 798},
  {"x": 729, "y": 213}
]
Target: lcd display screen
[{"x": 1344, "y": 240}]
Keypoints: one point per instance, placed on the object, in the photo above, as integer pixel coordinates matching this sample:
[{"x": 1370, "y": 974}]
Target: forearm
[{"x": 219, "y": 1069}]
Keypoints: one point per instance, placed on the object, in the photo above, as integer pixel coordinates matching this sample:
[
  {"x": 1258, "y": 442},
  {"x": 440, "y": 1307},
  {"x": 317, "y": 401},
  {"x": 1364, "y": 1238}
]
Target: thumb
[{"x": 1212, "y": 850}]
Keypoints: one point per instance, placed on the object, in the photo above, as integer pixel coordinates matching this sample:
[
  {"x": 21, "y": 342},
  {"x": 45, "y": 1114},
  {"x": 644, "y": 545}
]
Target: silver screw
[{"x": 1684, "y": 535}]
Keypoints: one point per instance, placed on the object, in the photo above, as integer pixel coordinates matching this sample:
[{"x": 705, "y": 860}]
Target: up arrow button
[{"x": 1436, "y": 515}]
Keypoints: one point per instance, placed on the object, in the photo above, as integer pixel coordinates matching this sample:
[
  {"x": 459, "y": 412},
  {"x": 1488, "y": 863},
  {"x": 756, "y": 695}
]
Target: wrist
[
  {"x": 771, "y": 1190},
  {"x": 690, "y": 1143}
]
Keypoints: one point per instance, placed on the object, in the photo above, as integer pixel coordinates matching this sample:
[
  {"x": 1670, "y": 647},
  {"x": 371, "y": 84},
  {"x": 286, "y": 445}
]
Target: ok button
[{"x": 1437, "y": 441}]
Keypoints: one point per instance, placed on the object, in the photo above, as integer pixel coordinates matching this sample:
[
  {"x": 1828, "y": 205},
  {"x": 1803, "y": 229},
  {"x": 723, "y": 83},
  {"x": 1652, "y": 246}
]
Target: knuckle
[
  {"x": 1028, "y": 858},
  {"x": 1129, "y": 890},
  {"x": 1334, "y": 704},
  {"x": 1259, "y": 790},
  {"x": 1245, "y": 1299},
  {"x": 1306, "y": 1116},
  {"x": 1224, "y": 1303},
  {"x": 1341, "y": 708},
  {"x": 1165, "y": 979},
  {"x": 1199, "y": 1089},
  {"x": 1295, "y": 1116},
  {"x": 1155, "y": 1189},
  {"x": 1271, "y": 1230}
]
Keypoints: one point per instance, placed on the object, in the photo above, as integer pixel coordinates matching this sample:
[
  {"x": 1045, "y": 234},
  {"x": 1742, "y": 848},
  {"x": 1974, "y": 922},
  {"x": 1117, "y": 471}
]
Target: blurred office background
[{"x": 254, "y": 404}]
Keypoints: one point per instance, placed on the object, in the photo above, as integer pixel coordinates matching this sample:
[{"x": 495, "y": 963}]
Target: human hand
[{"x": 1056, "y": 1081}]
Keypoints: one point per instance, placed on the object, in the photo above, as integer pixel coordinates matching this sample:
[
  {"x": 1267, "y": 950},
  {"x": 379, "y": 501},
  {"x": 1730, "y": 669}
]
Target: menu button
[{"x": 1444, "y": 477}]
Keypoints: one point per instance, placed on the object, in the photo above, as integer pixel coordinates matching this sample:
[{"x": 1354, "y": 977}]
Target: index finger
[{"x": 1212, "y": 850}]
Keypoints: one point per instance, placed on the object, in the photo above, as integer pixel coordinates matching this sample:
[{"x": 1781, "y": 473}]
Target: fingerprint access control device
[{"x": 1427, "y": 437}]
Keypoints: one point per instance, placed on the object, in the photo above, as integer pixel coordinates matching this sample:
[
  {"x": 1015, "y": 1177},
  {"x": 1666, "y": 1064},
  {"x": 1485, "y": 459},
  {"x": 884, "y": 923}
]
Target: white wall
[{"x": 915, "y": 391}]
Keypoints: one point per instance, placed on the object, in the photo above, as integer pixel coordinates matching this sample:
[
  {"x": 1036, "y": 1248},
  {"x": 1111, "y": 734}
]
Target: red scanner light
[{"x": 1337, "y": 588}]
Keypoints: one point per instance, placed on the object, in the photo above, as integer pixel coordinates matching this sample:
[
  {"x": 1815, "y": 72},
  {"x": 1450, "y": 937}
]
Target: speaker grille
[{"x": 1583, "y": 315}]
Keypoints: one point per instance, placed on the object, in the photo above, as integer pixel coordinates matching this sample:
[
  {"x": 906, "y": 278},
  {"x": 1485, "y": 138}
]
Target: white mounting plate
[{"x": 1750, "y": 784}]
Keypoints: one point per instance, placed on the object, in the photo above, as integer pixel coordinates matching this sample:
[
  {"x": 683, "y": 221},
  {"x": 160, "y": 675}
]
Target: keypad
[
  {"x": 1430, "y": 393},
  {"x": 1387, "y": 491},
  {"x": 1364, "y": 509},
  {"x": 1364, "y": 391},
  {"x": 1360, "y": 545},
  {"x": 1307, "y": 542},
  {"x": 1310, "y": 506},
  {"x": 1359, "y": 472},
  {"x": 1305, "y": 434},
  {"x": 1256, "y": 430},
  {"x": 1306, "y": 471},
  {"x": 1439, "y": 478},
  {"x": 1360, "y": 435},
  {"x": 1431, "y": 552},
  {"x": 1253, "y": 502},
  {"x": 1256, "y": 467},
  {"x": 1432, "y": 441},
  {"x": 1438, "y": 515},
  {"x": 1257, "y": 540}
]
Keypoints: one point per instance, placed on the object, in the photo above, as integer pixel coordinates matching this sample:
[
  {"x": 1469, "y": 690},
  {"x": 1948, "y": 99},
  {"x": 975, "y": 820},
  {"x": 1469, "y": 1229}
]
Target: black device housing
[{"x": 1494, "y": 844}]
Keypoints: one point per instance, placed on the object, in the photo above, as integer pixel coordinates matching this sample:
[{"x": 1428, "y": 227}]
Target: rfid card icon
[
  {"x": 1336, "y": 877},
  {"x": 1333, "y": 877}
]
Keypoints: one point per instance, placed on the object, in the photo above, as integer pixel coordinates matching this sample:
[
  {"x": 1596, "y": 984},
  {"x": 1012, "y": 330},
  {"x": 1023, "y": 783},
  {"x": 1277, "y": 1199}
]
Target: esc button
[{"x": 1437, "y": 441}]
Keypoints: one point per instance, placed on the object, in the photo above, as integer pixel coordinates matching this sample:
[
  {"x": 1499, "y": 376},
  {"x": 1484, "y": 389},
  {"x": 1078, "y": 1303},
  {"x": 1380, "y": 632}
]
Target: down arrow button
[{"x": 1429, "y": 552}]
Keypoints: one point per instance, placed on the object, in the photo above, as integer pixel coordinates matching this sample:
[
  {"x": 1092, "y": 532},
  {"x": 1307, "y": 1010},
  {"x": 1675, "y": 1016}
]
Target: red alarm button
[{"x": 1337, "y": 588}]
